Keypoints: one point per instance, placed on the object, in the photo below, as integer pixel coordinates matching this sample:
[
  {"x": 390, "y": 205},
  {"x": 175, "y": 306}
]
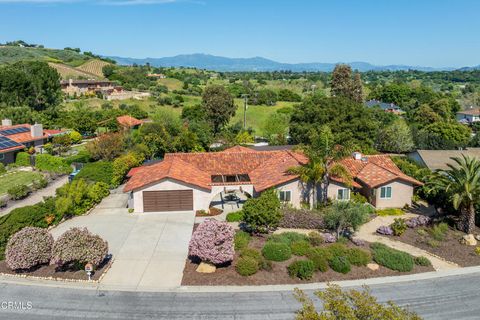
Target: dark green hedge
[{"x": 100, "y": 171}]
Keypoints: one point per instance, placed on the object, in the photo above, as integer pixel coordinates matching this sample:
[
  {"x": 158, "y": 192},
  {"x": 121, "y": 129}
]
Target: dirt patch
[
  {"x": 51, "y": 271},
  {"x": 227, "y": 275},
  {"x": 449, "y": 249}
]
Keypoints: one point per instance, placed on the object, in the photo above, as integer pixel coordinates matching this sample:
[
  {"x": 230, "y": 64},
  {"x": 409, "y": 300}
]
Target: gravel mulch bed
[
  {"x": 50, "y": 271},
  {"x": 227, "y": 275},
  {"x": 449, "y": 249}
]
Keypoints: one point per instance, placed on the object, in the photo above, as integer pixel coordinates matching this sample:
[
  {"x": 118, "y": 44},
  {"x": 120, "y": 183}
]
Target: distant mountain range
[{"x": 217, "y": 63}]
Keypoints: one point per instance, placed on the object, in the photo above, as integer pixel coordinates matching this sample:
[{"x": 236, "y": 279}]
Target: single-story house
[
  {"x": 469, "y": 116},
  {"x": 129, "y": 122},
  {"x": 439, "y": 159},
  {"x": 387, "y": 107},
  {"x": 190, "y": 181},
  {"x": 15, "y": 138}
]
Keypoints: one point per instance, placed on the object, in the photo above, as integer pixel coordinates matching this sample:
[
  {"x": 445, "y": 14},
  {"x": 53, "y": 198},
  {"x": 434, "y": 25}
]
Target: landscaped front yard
[{"x": 17, "y": 178}]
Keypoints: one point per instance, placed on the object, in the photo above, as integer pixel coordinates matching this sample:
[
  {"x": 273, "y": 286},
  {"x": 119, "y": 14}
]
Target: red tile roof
[
  {"x": 25, "y": 137},
  {"x": 238, "y": 149},
  {"x": 265, "y": 168},
  {"x": 374, "y": 171},
  {"x": 128, "y": 121}
]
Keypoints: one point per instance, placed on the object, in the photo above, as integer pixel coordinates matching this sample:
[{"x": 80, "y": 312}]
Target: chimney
[
  {"x": 36, "y": 130},
  {"x": 357, "y": 155},
  {"x": 6, "y": 122}
]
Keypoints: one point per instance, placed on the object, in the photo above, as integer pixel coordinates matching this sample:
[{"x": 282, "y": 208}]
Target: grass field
[
  {"x": 171, "y": 83},
  {"x": 20, "y": 177}
]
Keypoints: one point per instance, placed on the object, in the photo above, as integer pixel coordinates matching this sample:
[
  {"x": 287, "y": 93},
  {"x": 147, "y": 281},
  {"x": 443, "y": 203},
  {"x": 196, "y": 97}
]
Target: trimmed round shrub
[
  {"x": 18, "y": 191},
  {"x": 300, "y": 248},
  {"x": 422, "y": 261},
  {"x": 302, "y": 269},
  {"x": 234, "y": 216},
  {"x": 340, "y": 264},
  {"x": 398, "y": 226},
  {"x": 315, "y": 238},
  {"x": 212, "y": 242},
  {"x": 320, "y": 262},
  {"x": 79, "y": 246},
  {"x": 252, "y": 253},
  {"x": 276, "y": 251},
  {"x": 391, "y": 258},
  {"x": 241, "y": 239},
  {"x": 28, "y": 248},
  {"x": 288, "y": 237},
  {"x": 358, "y": 257},
  {"x": 338, "y": 250},
  {"x": 322, "y": 252},
  {"x": 246, "y": 266}
]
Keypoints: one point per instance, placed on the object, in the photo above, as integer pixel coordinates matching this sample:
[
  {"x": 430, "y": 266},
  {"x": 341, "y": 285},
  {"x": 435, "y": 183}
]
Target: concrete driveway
[{"x": 149, "y": 249}]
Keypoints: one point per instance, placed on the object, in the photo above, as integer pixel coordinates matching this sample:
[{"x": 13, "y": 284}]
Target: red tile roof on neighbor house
[
  {"x": 375, "y": 170},
  {"x": 265, "y": 168},
  {"x": 25, "y": 137},
  {"x": 128, "y": 121}
]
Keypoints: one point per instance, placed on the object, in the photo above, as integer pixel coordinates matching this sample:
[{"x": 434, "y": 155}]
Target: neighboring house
[
  {"x": 469, "y": 116},
  {"x": 129, "y": 122},
  {"x": 439, "y": 159},
  {"x": 156, "y": 75},
  {"x": 387, "y": 107},
  {"x": 378, "y": 179},
  {"x": 15, "y": 138},
  {"x": 81, "y": 87},
  {"x": 190, "y": 181}
]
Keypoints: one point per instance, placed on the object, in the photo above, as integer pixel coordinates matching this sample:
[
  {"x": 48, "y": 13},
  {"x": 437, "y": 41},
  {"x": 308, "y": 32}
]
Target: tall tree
[
  {"x": 462, "y": 183},
  {"x": 342, "y": 84},
  {"x": 218, "y": 105},
  {"x": 324, "y": 157},
  {"x": 396, "y": 137},
  {"x": 357, "y": 88}
]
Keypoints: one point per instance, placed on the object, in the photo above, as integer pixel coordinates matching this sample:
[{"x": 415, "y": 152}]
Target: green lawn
[{"x": 20, "y": 177}]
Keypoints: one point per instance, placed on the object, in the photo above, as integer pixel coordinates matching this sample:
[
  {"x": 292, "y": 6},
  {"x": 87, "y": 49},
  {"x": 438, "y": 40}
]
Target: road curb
[{"x": 263, "y": 288}]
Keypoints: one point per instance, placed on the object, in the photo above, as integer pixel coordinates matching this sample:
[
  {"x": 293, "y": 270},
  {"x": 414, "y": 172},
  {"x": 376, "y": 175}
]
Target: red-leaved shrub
[
  {"x": 79, "y": 246},
  {"x": 212, "y": 242},
  {"x": 28, "y": 248}
]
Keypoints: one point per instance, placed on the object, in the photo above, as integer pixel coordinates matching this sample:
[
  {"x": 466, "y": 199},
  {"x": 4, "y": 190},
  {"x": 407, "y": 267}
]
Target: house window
[
  {"x": 285, "y": 196},
  {"x": 343, "y": 194},
  {"x": 385, "y": 192}
]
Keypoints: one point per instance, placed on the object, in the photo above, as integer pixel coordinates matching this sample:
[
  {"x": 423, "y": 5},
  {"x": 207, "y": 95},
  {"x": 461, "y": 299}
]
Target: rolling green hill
[{"x": 10, "y": 54}]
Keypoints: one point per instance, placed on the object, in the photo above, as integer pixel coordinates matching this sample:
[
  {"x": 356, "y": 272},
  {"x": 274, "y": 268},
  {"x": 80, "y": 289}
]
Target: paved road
[{"x": 455, "y": 297}]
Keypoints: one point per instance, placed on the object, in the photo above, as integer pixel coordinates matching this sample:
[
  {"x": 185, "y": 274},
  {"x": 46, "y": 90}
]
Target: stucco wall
[
  {"x": 333, "y": 188},
  {"x": 297, "y": 192},
  {"x": 401, "y": 195},
  {"x": 201, "y": 197}
]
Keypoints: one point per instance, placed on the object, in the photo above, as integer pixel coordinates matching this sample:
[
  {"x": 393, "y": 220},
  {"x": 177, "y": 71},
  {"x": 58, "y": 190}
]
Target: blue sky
[{"x": 414, "y": 32}]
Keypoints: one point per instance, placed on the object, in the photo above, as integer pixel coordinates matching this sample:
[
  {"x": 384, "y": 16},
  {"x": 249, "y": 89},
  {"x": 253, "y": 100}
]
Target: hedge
[
  {"x": 22, "y": 159},
  {"x": 49, "y": 163},
  {"x": 392, "y": 258},
  {"x": 100, "y": 171},
  {"x": 80, "y": 157}
]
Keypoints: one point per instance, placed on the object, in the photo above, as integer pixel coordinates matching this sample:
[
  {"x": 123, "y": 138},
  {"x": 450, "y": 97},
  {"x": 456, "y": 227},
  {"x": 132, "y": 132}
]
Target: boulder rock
[
  {"x": 373, "y": 266},
  {"x": 205, "y": 267},
  {"x": 469, "y": 240}
]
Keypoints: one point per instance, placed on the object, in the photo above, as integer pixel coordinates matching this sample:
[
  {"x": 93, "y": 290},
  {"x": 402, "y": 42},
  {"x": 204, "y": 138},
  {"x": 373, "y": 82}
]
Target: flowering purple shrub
[
  {"x": 212, "y": 242},
  {"x": 301, "y": 219},
  {"x": 329, "y": 237},
  {"x": 386, "y": 230},
  {"x": 28, "y": 248},
  {"x": 419, "y": 221},
  {"x": 79, "y": 246}
]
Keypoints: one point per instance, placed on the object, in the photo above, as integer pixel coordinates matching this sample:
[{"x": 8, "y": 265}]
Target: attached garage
[{"x": 167, "y": 200}]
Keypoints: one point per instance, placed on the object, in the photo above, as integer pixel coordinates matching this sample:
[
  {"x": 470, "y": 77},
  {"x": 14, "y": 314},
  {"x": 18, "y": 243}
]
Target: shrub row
[{"x": 392, "y": 258}]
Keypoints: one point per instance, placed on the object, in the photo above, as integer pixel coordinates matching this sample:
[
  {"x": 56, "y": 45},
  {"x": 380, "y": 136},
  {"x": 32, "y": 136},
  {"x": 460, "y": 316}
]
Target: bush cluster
[
  {"x": 392, "y": 258},
  {"x": 340, "y": 264},
  {"x": 302, "y": 269},
  {"x": 48, "y": 163},
  {"x": 276, "y": 251},
  {"x": 123, "y": 164},
  {"x": 246, "y": 266},
  {"x": 241, "y": 239},
  {"x": 22, "y": 159},
  {"x": 301, "y": 219},
  {"x": 212, "y": 242},
  {"x": 28, "y": 248},
  {"x": 422, "y": 261},
  {"x": 78, "y": 197},
  {"x": 300, "y": 248},
  {"x": 79, "y": 246},
  {"x": 81, "y": 157},
  {"x": 100, "y": 171},
  {"x": 18, "y": 191},
  {"x": 262, "y": 214}
]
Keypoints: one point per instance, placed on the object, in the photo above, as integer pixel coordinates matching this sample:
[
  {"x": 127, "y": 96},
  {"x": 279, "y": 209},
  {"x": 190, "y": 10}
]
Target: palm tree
[
  {"x": 323, "y": 163},
  {"x": 462, "y": 184}
]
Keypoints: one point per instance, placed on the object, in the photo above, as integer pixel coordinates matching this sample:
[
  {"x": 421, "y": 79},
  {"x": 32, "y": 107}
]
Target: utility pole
[{"x": 245, "y": 97}]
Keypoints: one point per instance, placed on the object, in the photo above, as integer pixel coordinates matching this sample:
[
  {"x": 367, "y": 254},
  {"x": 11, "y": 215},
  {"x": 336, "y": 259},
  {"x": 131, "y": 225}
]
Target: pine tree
[{"x": 342, "y": 84}]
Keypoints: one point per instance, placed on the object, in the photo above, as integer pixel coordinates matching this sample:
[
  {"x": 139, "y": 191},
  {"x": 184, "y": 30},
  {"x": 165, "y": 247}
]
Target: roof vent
[{"x": 357, "y": 156}]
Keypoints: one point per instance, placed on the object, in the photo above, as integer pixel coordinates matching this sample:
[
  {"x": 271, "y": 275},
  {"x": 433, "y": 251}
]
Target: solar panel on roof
[
  {"x": 8, "y": 132},
  {"x": 6, "y": 143}
]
